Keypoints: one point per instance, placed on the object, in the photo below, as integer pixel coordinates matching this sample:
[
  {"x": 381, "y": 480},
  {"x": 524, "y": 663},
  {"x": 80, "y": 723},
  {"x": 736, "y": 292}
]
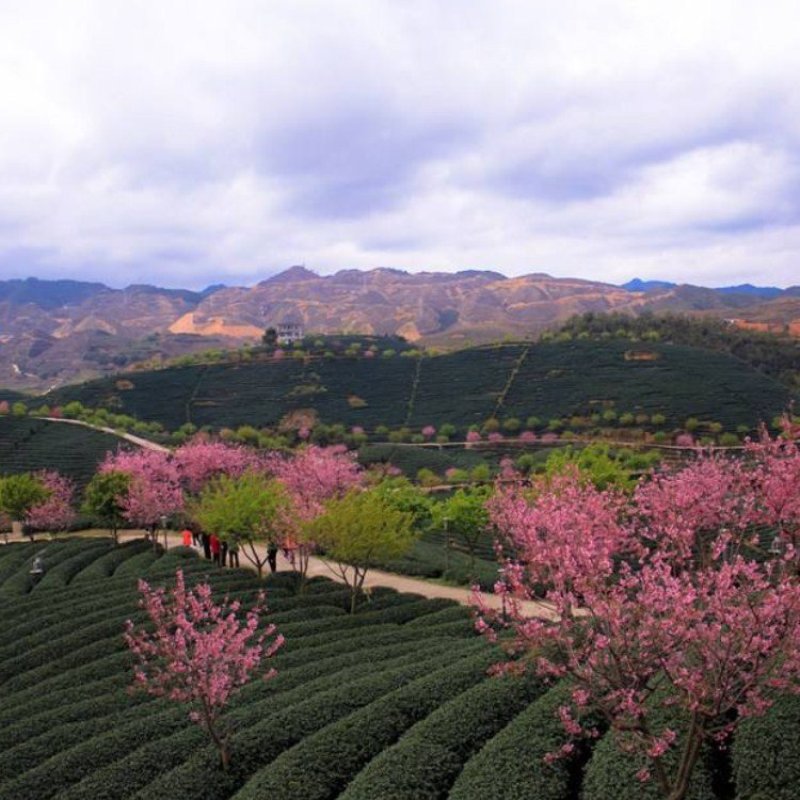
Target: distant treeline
[{"x": 774, "y": 355}]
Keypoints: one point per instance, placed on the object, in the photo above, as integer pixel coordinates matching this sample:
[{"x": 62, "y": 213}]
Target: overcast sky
[{"x": 187, "y": 143}]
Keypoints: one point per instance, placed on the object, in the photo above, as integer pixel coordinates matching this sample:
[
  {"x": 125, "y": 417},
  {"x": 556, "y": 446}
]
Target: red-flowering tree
[
  {"x": 312, "y": 476},
  {"x": 56, "y": 512},
  {"x": 197, "y": 652},
  {"x": 666, "y": 600}
]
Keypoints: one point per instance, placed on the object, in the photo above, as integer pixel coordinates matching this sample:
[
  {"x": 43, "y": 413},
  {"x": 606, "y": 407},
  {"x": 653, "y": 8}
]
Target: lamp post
[
  {"x": 446, "y": 522},
  {"x": 164, "y": 528}
]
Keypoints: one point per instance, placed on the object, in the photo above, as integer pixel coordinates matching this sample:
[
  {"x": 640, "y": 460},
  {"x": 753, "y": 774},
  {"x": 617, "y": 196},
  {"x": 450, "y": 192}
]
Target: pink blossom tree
[
  {"x": 56, "y": 512},
  {"x": 197, "y": 652},
  {"x": 312, "y": 476},
  {"x": 662, "y": 600},
  {"x": 429, "y": 431},
  {"x": 154, "y": 490},
  {"x": 202, "y": 459}
]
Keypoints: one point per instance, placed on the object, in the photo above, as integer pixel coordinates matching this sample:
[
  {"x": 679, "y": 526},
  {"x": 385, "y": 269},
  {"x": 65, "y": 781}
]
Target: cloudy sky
[{"x": 185, "y": 143}]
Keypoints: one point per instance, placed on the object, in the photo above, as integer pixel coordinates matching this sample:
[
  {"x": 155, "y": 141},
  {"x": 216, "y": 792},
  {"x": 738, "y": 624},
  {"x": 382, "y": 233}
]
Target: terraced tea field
[
  {"x": 515, "y": 380},
  {"x": 392, "y": 702},
  {"x": 28, "y": 444}
]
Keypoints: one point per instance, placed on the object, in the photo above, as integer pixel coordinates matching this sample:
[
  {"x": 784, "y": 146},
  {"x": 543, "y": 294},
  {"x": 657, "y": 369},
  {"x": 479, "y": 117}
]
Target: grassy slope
[{"x": 462, "y": 388}]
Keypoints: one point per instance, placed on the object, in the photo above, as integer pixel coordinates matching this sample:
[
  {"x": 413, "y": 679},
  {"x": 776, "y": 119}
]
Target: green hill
[
  {"x": 28, "y": 444},
  {"x": 553, "y": 379},
  {"x": 391, "y": 702}
]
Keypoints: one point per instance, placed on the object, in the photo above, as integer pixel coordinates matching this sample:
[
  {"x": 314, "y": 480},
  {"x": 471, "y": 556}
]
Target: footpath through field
[
  {"x": 378, "y": 578},
  {"x": 375, "y": 578}
]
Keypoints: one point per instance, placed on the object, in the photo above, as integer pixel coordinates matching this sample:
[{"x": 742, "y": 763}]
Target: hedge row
[
  {"x": 612, "y": 772},
  {"x": 766, "y": 753},
  {"x": 424, "y": 763},
  {"x": 72, "y": 762},
  {"x": 13, "y": 556},
  {"x": 511, "y": 766},
  {"x": 136, "y": 565},
  {"x": 60, "y": 575},
  {"x": 282, "y": 730},
  {"x": 107, "y": 565},
  {"x": 321, "y": 765},
  {"x": 54, "y": 743},
  {"x": 148, "y": 763}
]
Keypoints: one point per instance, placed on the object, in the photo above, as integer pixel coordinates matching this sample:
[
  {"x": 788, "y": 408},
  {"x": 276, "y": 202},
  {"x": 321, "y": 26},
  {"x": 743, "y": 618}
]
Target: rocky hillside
[{"x": 53, "y": 332}]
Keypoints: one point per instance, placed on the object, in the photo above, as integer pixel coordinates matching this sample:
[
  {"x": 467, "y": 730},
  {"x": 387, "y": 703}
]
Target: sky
[{"x": 190, "y": 143}]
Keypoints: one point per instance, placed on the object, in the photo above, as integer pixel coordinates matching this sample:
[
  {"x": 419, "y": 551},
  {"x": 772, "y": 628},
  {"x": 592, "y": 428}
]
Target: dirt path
[
  {"x": 378, "y": 578},
  {"x": 375, "y": 578},
  {"x": 128, "y": 437}
]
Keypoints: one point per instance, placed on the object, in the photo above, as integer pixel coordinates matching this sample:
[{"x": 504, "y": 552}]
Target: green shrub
[
  {"x": 766, "y": 753},
  {"x": 511, "y": 766},
  {"x": 424, "y": 763},
  {"x": 287, "y": 726},
  {"x": 322, "y": 764}
]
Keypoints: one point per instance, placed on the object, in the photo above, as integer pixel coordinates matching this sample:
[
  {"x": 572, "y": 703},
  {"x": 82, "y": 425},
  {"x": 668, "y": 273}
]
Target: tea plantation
[
  {"x": 28, "y": 444},
  {"x": 392, "y": 702},
  {"x": 552, "y": 379}
]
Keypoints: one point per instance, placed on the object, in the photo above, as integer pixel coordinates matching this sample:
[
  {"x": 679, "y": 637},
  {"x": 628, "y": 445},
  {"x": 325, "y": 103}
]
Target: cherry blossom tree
[
  {"x": 197, "y": 652},
  {"x": 56, "y": 512},
  {"x": 663, "y": 600},
  {"x": 154, "y": 490},
  {"x": 312, "y": 476},
  {"x": 202, "y": 459}
]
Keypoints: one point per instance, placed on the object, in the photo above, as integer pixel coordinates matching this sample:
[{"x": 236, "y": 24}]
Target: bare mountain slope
[{"x": 52, "y": 332}]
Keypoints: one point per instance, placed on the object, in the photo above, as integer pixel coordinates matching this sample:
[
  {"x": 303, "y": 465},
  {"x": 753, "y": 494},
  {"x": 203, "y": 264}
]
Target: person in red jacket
[
  {"x": 187, "y": 537},
  {"x": 215, "y": 548}
]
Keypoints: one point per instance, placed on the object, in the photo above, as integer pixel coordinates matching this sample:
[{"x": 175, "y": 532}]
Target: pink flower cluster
[
  {"x": 665, "y": 599},
  {"x": 198, "y": 652}
]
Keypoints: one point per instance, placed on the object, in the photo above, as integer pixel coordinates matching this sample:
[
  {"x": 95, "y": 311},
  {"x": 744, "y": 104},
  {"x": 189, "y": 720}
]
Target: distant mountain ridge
[{"x": 52, "y": 332}]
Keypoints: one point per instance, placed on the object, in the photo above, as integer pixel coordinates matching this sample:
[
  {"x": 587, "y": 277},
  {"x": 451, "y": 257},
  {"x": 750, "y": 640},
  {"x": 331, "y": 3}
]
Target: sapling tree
[
  {"x": 244, "y": 510},
  {"x": 665, "y": 599},
  {"x": 360, "y": 531},
  {"x": 464, "y": 515},
  {"x": 198, "y": 652}
]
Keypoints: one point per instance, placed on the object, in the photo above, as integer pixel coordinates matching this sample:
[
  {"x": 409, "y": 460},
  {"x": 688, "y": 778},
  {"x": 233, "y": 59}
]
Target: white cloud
[{"x": 190, "y": 142}]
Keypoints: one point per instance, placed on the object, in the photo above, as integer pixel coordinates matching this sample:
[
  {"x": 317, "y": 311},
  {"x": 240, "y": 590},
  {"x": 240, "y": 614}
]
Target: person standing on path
[
  {"x": 186, "y": 535},
  {"x": 272, "y": 556},
  {"x": 233, "y": 551},
  {"x": 215, "y": 548},
  {"x": 206, "y": 545},
  {"x": 224, "y": 551}
]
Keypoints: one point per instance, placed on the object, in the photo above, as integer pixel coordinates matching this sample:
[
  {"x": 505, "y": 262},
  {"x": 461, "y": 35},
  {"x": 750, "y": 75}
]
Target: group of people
[{"x": 222, "y": 552}]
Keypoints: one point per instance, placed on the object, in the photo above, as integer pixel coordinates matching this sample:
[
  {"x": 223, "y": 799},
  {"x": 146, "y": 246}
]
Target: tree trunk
[{"x": 688, "y": 761}]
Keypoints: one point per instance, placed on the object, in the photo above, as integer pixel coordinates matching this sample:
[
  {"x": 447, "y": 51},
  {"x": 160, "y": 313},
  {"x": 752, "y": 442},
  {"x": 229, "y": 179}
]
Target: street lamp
[{"x": 164, "y": 528}]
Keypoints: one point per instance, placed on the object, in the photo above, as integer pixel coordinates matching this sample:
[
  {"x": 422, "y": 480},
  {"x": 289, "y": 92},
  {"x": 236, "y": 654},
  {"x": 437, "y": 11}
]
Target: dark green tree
[{"x": 104, "y": 498}]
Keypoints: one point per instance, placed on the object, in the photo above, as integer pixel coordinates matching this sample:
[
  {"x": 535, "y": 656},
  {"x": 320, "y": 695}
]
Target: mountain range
[{"x": 54, "y": 332}]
